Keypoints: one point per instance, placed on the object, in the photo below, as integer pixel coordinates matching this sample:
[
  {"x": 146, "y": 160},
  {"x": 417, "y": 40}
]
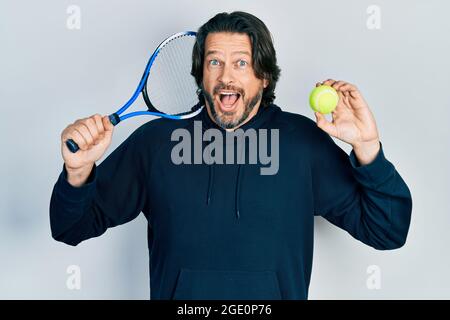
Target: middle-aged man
[{"x": 221, "y": 230}]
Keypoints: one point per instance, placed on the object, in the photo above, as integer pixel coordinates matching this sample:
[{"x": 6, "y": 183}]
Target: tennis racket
[{"x": 167, "y": 87}]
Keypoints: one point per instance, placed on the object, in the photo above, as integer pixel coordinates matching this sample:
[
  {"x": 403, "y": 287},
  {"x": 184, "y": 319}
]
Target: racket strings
[
  {"x": 186, "y": 91},
  {"x": 170, "y": 87},
  {"x": 173, "y": 57}
]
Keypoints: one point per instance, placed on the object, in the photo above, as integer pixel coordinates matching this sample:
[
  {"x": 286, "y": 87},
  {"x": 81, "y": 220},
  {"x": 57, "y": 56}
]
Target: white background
[{"x": 50, "y": 76}]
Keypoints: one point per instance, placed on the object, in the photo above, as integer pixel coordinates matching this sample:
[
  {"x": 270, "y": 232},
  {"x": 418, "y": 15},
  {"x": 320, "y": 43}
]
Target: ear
[{"x": 265, "y": 83}]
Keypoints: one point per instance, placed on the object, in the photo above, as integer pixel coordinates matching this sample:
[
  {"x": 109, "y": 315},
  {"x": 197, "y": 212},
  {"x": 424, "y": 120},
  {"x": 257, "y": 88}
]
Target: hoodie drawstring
[
  {"x": 258, "y": 121},
  {"x": 238, "y": 184},
  {"x": 237, "y": 189},
  {"x": 238, "y": 192},
  {"x": 210, "y": 183},
  {"x": 237, "y": 196}
]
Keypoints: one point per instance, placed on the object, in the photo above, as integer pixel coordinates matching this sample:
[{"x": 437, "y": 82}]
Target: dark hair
[{"x": 263, "y": 51}]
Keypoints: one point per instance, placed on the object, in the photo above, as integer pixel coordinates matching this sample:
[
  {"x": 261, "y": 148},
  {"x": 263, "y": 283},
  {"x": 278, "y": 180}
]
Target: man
[{"x": 226, "y": 231}]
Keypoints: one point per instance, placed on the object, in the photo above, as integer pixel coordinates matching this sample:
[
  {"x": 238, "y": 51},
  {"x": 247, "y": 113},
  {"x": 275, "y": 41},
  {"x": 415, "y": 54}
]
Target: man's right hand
[{"x": 93, "y": 136}]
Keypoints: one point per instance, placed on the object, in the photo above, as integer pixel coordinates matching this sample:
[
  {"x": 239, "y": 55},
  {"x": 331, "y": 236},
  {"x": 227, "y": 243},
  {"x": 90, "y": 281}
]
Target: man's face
[{"x": 232, "y": 90}]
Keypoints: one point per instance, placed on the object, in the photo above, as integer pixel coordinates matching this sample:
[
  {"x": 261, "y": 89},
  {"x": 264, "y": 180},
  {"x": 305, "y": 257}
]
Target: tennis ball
[{"x": 323, "y": 99}]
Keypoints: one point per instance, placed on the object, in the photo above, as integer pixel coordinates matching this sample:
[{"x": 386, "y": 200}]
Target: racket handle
[{"x": 73, "y": 146}]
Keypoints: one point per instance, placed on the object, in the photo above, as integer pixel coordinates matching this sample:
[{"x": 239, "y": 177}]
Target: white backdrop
[{"x": 51, "y": 75}]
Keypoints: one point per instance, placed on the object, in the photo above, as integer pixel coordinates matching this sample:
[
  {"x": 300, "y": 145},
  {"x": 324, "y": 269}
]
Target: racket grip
[{"x": 73, "y": 146}]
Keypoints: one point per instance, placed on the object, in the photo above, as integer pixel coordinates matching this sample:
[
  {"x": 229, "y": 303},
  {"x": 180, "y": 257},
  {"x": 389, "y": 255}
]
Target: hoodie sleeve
[
  {"x": 371, "y": 202},
  {"x": 113, "y": 194}
]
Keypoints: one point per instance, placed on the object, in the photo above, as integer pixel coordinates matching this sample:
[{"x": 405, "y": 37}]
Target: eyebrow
[{"x": 234, "y": 53}]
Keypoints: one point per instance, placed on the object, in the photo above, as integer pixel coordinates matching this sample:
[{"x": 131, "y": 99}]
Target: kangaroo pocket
[{"x": 226, "y": 285}]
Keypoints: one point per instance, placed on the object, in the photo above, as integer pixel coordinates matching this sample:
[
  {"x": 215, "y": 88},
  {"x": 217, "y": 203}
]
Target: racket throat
[{"x": 114, "y": 119}]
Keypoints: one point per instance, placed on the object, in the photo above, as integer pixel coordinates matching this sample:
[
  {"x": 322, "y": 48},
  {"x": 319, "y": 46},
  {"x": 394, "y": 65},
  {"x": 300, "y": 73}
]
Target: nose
[{"x": 227, "y": 75}]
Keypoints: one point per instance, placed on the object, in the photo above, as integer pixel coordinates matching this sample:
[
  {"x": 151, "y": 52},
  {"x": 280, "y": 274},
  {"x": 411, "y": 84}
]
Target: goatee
[{"x": 221, "y": 120}]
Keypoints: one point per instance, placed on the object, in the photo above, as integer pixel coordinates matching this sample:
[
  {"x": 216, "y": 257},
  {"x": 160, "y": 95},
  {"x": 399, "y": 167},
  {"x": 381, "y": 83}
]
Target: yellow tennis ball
[{"x": 323, "y": 99}]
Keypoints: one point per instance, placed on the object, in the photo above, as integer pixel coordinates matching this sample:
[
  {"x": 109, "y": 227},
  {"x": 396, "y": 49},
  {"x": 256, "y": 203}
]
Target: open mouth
[{"x": 228, "y": 100}]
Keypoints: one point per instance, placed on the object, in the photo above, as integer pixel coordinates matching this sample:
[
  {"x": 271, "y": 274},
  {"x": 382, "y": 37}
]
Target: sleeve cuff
[
  {"x": 374, "y": 173},
  {"x": 76, "y": 194}
]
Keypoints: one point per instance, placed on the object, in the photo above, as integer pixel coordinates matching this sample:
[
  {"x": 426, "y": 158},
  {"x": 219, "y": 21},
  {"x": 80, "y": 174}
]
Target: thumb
[
  {"x": 324, "y": 124},
  {"x": 108, "y": 127},
  {"x": 107, "y": 124}
]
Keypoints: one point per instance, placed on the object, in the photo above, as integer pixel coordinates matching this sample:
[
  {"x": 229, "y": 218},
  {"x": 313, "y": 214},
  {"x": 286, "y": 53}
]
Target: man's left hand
[{"x": 353, "y": 122}]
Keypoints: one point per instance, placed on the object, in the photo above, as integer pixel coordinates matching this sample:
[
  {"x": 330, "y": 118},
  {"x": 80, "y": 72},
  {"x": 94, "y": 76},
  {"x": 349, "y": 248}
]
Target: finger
[
  {"x": 84, "y": 131},
  {"x": 343, "y": 104},
  {"x": 78, "y": 138},
  {"x": 98, "y": 122},
  {"x": 328, "y": 82},
  {"x": 346, "y": 95},
  {"x": 351, "y": 90},
  {"x": 100, "y": 128},
  {"x": 349, "y": 87},
  {"x": 341, "y": 101},
  {"x": 338, "y": 85},
  {"x": 92, "y": 126},
  {"x": 78, "y": 121},
  {"x": 353, "y": 94}
]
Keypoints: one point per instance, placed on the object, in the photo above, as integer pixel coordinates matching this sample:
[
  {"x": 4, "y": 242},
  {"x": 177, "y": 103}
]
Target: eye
[
  {"x": 214, "y": 62},
  {"x": 242, "y": 63}
]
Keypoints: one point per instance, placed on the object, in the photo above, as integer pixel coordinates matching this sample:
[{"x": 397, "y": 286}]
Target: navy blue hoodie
[{"x": 225, "y": 231}]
